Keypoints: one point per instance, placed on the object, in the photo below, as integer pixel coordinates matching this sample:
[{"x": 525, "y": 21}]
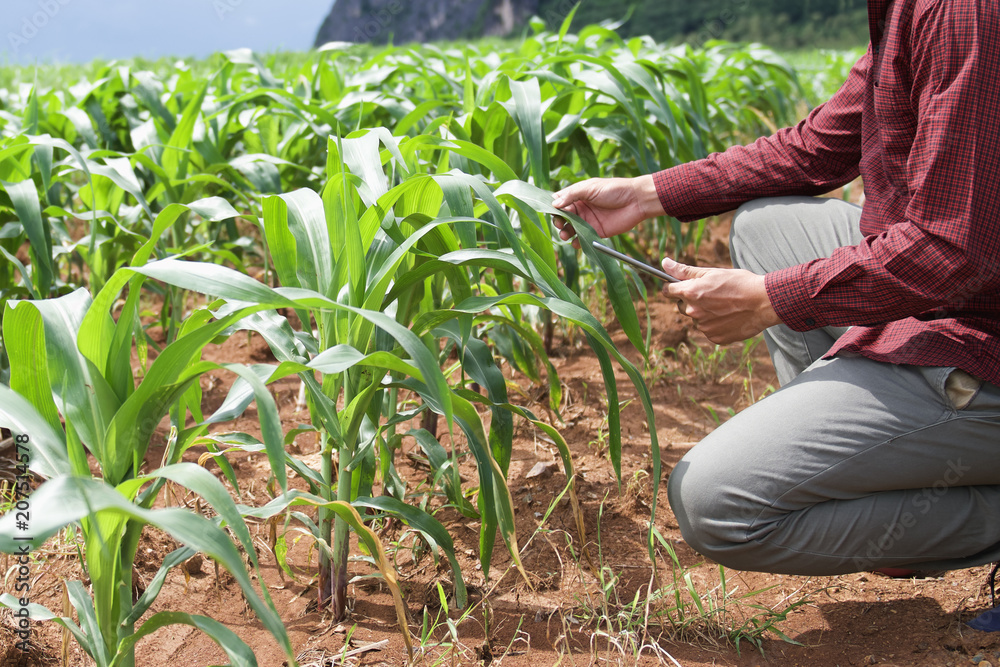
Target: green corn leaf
[
  {"x": 155, "y": 585},
  {"x": 239, "y": 653},
  {"x": 65, "y": 500},
  {"x": 100, "y": 651},
  {"x": 299, "y": 240},
  {"x": 39, "y": 613},
  {"x": 47, "y": 445},
  {"x": 496, "y": 504},
  {"x": 78, "y": 387},
  {"x": 603, "y": 347},
  {"x": 228, "y": 284},
  {"x": 281, "y": 243},
  {"x": 567, "y": 22},
  {"x": 205, "y": 485},
  {"x": 24, "y": 341},
  {"x": 350, "y": 515},
  {"x": 430, "y": 527},
  {"x": 621, "y": 299},
  {"x": 25, "y": 277},
  {"x": 24, "y": 196},
  {"x": 212, "y": 209},
  {"x": 477, "y": 361},
  {"x": 177, "y": 153},
  {"x": 130, "y": 428},
  {"x": 526, "y": 110},
  {"x": 444, "y": 466}
]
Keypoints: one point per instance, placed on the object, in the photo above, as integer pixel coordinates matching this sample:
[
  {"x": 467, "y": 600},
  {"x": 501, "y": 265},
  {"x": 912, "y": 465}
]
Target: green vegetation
[
  {"x": 785, "y": 24},
  {"x": 382, "y": 219}
]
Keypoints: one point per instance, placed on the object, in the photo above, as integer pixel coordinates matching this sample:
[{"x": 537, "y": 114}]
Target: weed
[
  {"x": 657, "y": 366},
  {"x": 708, "y": 366},
  {"x": 603, "y": 439},
  {"x": 622, "y": 628}
]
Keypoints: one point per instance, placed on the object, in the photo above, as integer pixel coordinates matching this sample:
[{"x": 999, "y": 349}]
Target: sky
[{"x": 79, "y": 31}]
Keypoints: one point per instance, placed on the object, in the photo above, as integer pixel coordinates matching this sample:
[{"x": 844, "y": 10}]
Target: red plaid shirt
[{"x": 919, "y": 120}]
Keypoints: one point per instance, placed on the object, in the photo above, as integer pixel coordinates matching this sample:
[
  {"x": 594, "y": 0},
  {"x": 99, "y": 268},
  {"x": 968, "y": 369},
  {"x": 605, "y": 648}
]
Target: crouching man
[{"x": 882, "y": 448}]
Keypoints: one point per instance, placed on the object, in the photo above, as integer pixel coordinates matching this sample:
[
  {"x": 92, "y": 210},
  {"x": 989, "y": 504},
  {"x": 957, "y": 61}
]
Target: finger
[
  {"x": 676, "y": 269},
  {"x": 571, "y": 194},
  {"x": 694, "y": 312},
  {"x": 567, "y": 231}
]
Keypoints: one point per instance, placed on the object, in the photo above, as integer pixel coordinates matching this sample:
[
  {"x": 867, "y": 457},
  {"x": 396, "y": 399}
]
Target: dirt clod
[{"x": 193, "y": 564}]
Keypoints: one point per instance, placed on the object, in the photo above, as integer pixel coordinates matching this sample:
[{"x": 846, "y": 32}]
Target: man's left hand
[{"x": 727, "y": 305}]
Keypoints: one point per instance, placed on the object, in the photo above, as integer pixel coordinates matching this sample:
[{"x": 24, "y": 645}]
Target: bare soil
[{"x": 564, "y": 617}]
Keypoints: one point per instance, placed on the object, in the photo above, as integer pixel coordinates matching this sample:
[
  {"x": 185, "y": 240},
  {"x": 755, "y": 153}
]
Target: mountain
[{"x": 778, "y": 23}]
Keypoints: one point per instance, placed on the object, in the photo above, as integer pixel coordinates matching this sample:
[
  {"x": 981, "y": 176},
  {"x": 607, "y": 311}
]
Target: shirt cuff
[
  {"x": 786, "y": 289},
  {"x": 677, "y": 191}
]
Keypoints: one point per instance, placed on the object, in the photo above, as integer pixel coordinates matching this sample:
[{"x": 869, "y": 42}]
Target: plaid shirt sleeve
[
  {"x": 820, "y": 154},
  {"x": 932, "y": 233}
]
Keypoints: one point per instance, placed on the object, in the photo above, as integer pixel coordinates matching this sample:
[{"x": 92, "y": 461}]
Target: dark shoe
[
  {"x": 905, "y": 573},
  {"x": 989, "y": 621}
]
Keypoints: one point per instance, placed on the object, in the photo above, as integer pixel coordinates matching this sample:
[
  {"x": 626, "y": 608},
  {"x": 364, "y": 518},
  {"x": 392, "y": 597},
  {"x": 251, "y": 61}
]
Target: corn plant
[{"x": 73, "y": 391}]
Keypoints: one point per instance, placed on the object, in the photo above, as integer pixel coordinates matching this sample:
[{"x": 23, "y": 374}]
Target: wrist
[
  {"x": 765, "y": 310},
  {"x": 647, "y": 196}
]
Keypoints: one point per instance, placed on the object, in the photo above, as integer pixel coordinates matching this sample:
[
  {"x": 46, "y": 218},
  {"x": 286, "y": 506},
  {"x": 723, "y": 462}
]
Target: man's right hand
[{"x": 611, "y": 205}]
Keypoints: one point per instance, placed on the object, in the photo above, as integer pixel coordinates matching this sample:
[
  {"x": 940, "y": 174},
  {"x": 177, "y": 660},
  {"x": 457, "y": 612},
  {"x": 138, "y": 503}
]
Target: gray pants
[{"x": 853, "y": 464}]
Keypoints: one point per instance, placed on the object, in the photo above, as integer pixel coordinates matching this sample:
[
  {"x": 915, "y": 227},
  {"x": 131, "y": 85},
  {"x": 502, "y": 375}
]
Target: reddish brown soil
[{"x": 856, "y": 619}]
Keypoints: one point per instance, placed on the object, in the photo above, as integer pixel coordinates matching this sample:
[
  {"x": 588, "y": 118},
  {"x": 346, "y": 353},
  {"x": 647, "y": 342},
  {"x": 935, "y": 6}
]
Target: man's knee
[
  {"x": 714, "y": 517},
  {"x": 752, "y": 225}
]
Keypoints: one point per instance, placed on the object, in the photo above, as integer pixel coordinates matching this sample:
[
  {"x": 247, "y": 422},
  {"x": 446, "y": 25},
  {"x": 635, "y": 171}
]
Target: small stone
[
  {"x": 977, "y": 658},
  {"x": 193, "y": 564},
  {"x": 985, "y": 663},
  {"x": 541, "y": 470},
  {"x": 871, "y": 660}
]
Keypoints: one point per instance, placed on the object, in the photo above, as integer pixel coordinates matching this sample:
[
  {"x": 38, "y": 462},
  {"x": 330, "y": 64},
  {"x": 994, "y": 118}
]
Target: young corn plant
[{"x": 73, "y": 393}]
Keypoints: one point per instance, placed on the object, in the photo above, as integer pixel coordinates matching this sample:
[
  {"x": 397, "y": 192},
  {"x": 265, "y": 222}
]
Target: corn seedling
[{"x": 71, "y": 366}]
